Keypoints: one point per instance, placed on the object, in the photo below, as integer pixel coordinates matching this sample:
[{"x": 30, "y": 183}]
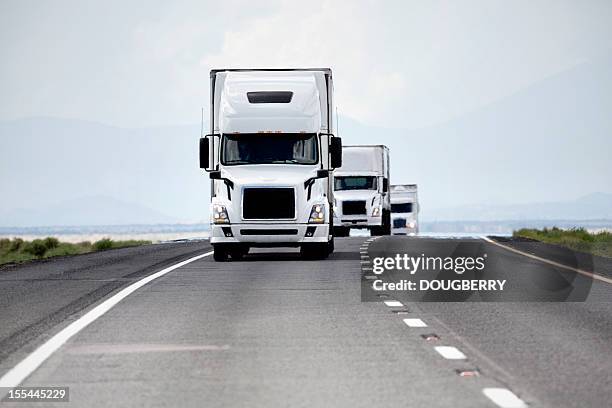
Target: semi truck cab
[{"x": 270, "y": 157}]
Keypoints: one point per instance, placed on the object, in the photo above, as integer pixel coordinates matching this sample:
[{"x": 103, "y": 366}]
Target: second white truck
[{"x": 362, "y": 190}]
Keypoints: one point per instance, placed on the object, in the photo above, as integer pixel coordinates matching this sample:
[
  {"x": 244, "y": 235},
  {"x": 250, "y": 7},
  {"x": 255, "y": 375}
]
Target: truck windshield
[
  {"x": 401, "y": 208},
  {"x": 355, "y": 183},
  {"x": 278, "y": 148}
]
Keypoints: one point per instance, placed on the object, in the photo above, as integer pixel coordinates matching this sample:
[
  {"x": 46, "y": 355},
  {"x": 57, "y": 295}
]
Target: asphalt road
[{"x": 274, "y": 330}]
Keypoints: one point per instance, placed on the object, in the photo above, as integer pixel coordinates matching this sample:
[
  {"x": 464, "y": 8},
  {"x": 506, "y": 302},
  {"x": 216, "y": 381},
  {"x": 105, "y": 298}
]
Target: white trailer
[
  {"x": 270, "y": 155},
  {"x": 362, "y": 190},
  {"x": 404, "y": 209}
]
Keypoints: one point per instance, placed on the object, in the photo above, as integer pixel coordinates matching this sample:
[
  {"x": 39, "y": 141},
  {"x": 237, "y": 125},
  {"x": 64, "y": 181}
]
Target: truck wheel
[
  {"x": 386, "y": 228},
  {"x": 330, "y": 246},
  {"x": 341, "y": 231},
  {"x": 238, "y": 251},
  {"x": 315, "y": 251},
  {"x": 220, "y": 253}
]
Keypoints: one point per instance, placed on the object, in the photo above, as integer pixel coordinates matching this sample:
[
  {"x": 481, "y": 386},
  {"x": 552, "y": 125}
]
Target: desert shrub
[
  {"x": 16, "y": 245},
  {"x": 51, "y": 242},
  {"x": 103, "y": 244},
  {"x": 5, "y": 244},
  {"x": 36, "y": 248}
]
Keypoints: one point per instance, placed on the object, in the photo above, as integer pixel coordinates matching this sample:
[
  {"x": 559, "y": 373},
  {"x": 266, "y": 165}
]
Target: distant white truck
[
  {"x": 270, "y": 154},
  {"x": 404, "y": 209},
  {"x": 362, "y": 190}
]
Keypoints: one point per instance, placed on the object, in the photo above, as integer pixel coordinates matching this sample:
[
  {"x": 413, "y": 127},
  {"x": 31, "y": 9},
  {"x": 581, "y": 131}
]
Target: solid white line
[
  {"x": 548, "y": 261},
  {"x": 450, "y": 353},
  {"x": 22, "y": 370},
  {"x": 415, "y": 323},
  {"x": 504, "y": 398},
  {"x": 393, "y": 303}
]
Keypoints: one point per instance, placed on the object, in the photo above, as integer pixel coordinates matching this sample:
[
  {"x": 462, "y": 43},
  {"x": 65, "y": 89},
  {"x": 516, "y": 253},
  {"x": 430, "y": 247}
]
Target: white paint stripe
[
  {"x": 548, "y": 261},
  {"x": 450, "y": 352},
  {"x": 415, "y": 322},
  {"x": 21, "y": 371},
  {"x": 393, "y": 303},
  {"x": 504, "y": 398}
]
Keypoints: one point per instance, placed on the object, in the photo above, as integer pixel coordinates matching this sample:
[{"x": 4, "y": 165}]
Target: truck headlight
[
  {"x": 376, "y": 212},
  {"x": 411, "y": 224},
  {"x": 220, "y": 214},
  {"x": 317, "y": 214}
]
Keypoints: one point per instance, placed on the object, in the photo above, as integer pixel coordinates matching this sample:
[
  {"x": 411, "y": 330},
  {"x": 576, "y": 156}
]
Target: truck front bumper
[
  {"x": 269, "y": 234},
  {"x": 358, "y": 221},
  {"x": 404, "y": 231}
]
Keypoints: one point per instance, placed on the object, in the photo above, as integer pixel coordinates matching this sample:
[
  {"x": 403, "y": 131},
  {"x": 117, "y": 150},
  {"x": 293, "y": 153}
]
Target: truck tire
[
  {"x": 220, "y": 253},
  {"x": 315, "y": 251},
  {"x": 330, "y": 246},
  {"x": 386, "y": 227},
  {"x": 341, "y": 231},
  {"x": 236, "y": 252}
]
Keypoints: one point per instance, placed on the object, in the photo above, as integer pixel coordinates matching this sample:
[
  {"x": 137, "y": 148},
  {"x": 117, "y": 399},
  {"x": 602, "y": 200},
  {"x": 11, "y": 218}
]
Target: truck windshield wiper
[
  {"x": 286, "y": 161},
  {"x": 239, "y": 162}
]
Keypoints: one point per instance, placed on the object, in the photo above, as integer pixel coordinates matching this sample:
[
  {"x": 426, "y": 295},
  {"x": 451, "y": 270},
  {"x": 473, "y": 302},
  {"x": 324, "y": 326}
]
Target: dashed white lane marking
[
  {"x": 548, "y": 261},
  {"x": 450, "y": 352},
  {"x": 22, "y": 370},
  {"x": 393, "y": 303},
  {"x": 415, "y": 322},
  {"x": 504, "y": 398}
]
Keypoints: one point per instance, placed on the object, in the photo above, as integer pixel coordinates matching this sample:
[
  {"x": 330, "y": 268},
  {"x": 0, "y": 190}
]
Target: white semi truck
[
  {"x": 404, "y": 209},
  {"x": 362, "y": 190},
  {"x": 270, "y": 155}
]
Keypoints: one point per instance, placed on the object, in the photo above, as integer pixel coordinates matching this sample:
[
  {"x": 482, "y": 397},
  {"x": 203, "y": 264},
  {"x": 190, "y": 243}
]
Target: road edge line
[
  {"x": 28, "y": 365},
  {"x": 548, "y": 261}
]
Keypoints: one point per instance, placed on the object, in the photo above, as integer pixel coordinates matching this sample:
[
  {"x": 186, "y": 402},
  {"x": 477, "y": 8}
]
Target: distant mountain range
[
  {"x": 550, "y": 142},
  {"x": 95, "y": 210}
]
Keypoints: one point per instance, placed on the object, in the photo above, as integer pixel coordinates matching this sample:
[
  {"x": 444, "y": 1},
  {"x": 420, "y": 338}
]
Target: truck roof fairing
[
  {"x": 303, "y": 112},
  {"x": 362, "y": 159}
]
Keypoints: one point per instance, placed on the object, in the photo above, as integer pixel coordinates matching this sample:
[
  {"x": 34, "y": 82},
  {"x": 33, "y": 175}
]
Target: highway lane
[
  {"x": 37, "y": 297},
  {"x": 274, "y": 330},
  {"x": 558, "y": 353}
]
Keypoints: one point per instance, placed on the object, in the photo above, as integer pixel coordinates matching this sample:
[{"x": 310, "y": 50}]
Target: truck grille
[
  {"x": 353, "y": 207},
  {"x": 399, "y": 223},
  {"x": 268, "y": 203}
]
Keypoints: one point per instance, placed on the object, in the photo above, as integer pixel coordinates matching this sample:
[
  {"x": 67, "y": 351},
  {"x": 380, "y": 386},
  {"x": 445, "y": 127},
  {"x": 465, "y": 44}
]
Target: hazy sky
[{"x": 406, "y": 64}]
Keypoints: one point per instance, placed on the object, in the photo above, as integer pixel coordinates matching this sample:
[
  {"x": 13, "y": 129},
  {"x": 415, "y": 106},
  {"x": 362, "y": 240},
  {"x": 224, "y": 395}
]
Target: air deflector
[{"x": 270, "y": 96}]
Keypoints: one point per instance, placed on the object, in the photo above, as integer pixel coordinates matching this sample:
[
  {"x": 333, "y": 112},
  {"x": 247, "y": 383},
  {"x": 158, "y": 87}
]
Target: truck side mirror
[
  {"x": 385, "y": 185},
  {"x": 204, "y": 153},
  {"x": 335, "y": 150}
]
